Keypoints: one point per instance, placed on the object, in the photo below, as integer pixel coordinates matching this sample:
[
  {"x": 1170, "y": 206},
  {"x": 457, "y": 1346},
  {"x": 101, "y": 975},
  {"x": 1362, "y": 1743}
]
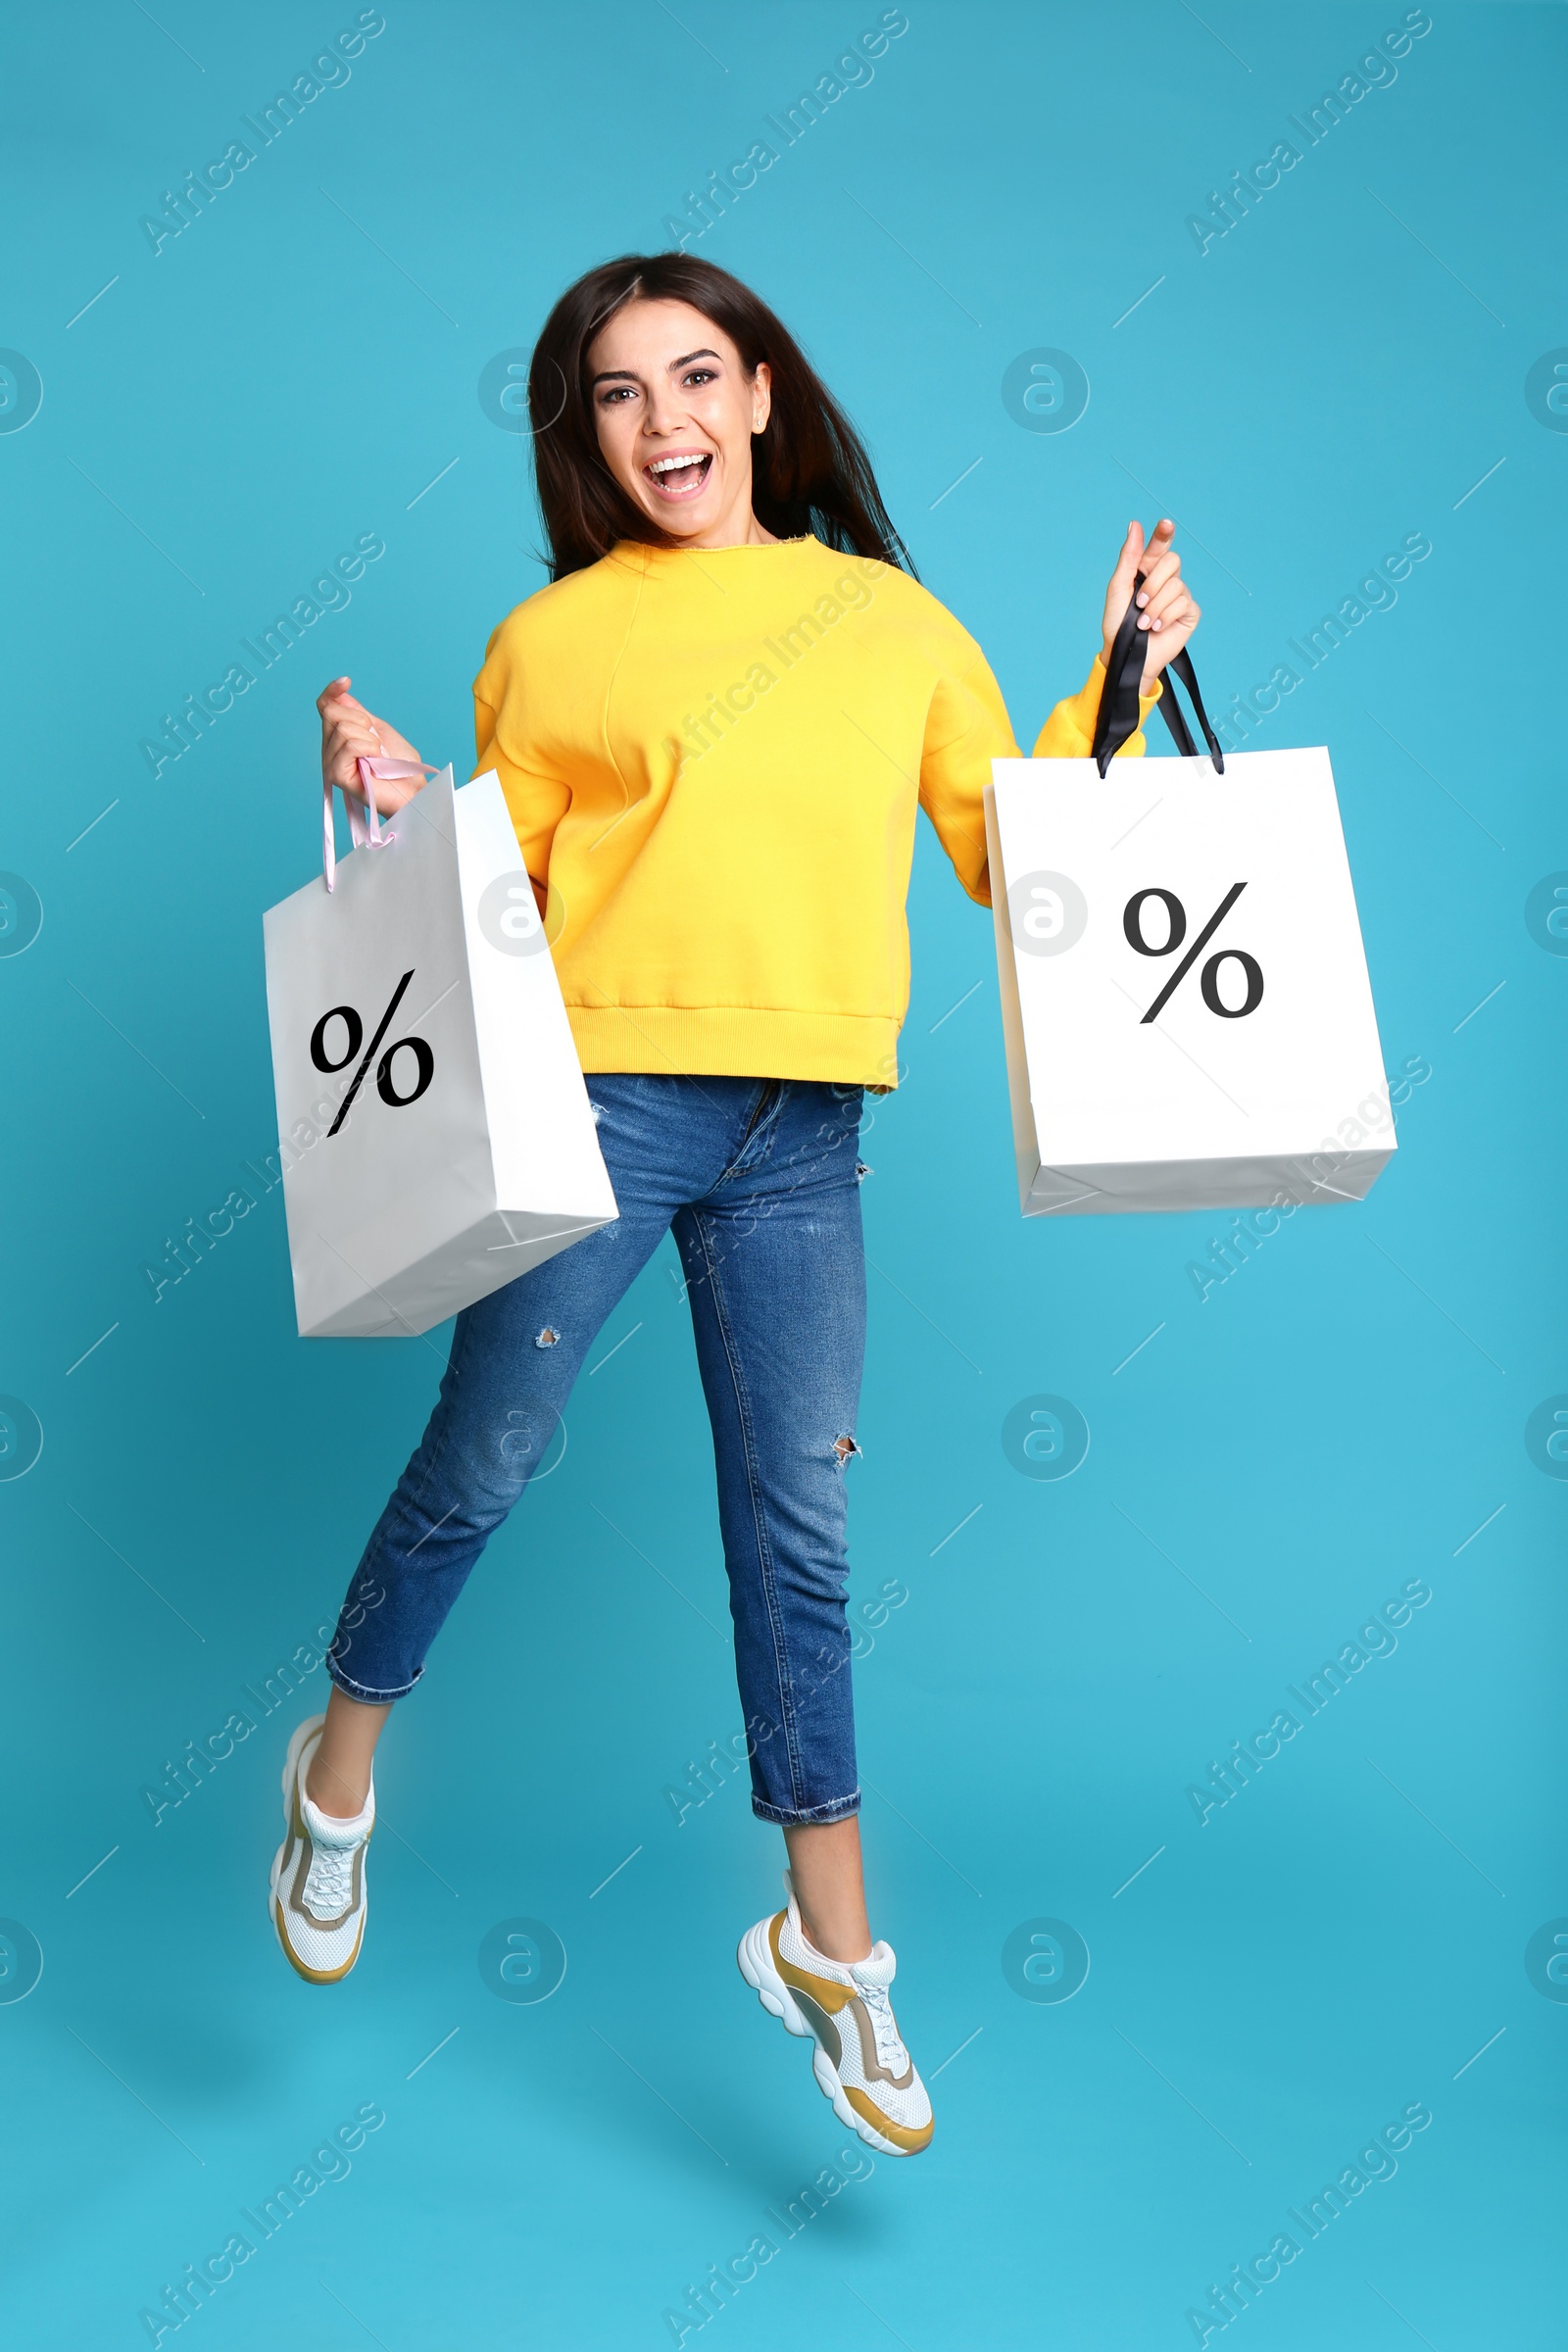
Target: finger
[
  {"x": 1182, "y": 615},
  {"x": 355, "y": 725},
  {"x": 1161, "y": 607},
  {"x": 1157, "y": 575},
  {"x": 1171, "y": 600},
  {"x": 347, "y": 712},
  {"x": 1158, "y": 598},
  {"x": 344, "y": 775},
  {"x": 1127, "y": 562},
  {"x": 1162, "y": 649},
  {"x": 335, "y": 699},
  {"x": 346, "y": 750},
  {"x": 1161, "y": 537},
  {"x": 344, "y": 769}
]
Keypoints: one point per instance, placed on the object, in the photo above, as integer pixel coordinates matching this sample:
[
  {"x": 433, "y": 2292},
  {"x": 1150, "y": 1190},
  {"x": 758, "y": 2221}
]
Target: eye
[
  {"x": 701, "y": 375},
  {"x": 616, "y": 394}
]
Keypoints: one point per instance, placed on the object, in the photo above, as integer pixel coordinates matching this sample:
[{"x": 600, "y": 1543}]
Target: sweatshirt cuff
[{"x": 1069, "y": 732}]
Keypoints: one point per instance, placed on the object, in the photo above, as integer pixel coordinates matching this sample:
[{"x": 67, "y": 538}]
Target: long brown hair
[{"x": 809, "y": 470}]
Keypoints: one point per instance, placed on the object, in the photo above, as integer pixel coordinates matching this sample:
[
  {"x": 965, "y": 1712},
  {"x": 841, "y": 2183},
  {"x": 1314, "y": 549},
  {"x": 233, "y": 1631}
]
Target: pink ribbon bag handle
[{"x": 365, "y": 827}]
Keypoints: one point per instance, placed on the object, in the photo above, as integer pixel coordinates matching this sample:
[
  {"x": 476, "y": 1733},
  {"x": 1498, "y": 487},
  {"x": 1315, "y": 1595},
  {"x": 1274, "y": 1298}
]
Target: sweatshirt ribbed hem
[{"x": 725, "y": 1041}]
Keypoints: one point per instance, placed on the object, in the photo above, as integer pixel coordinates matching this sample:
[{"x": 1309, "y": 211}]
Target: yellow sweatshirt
[{"x": 712, "y": 758}]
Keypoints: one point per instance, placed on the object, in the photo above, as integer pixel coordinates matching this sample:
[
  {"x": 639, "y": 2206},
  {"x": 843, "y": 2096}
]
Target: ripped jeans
[{"x": 759, "y": 1180}]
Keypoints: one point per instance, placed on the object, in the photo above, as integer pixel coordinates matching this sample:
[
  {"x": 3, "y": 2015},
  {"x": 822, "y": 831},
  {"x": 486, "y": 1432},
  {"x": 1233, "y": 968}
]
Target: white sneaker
[
  {"x": 859, "y": 2061},
  {"x": 318, "y": 1894}
]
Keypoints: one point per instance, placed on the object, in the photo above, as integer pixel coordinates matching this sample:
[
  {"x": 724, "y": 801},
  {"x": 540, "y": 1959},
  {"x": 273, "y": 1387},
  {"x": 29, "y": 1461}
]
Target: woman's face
[{"x": 675, "y": 413}]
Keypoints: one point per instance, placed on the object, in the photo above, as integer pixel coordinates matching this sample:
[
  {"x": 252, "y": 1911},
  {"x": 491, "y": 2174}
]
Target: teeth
[{"x": 671, "y": 464}]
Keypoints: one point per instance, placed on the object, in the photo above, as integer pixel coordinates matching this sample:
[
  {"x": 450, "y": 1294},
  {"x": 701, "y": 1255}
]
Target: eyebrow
[{"x": 612, "y": 375}]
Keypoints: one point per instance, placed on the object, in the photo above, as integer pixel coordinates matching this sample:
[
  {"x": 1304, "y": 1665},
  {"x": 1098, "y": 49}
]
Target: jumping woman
[{"x": 712, "y": 729}]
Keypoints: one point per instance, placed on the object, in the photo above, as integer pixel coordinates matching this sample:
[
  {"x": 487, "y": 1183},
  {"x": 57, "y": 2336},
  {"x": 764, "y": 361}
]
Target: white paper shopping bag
[
  {"x": 1185, "y": 1007},
  {"x": 437, "y": 1132}
]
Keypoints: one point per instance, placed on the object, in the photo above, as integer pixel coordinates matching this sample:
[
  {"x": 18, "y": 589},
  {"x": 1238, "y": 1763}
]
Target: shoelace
[
  {"x": 890, "y": 2051},
  {"x": 330, "y": 1880}
]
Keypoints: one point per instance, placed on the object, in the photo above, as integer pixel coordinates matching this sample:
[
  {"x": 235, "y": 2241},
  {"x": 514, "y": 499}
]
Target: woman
[{"x": 712, "y": 730}]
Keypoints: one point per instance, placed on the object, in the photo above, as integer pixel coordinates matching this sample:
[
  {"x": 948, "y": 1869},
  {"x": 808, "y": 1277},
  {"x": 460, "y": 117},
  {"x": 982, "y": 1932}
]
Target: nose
[{"x": 661, "y": 417}]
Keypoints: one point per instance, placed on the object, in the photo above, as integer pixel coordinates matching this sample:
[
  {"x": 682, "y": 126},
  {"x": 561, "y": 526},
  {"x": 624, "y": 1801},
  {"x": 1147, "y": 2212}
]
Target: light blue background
[{"x": 1337, "y": 1420}]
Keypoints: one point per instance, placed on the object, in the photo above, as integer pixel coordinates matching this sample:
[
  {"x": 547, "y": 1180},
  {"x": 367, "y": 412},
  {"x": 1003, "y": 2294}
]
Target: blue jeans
[{"x": 759, "y": 1180}]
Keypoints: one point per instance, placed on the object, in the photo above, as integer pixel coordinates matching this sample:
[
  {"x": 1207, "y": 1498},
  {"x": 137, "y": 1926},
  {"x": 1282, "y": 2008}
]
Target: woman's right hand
[
  {"x": 1166, "y": 609},
  {"x": 351, "y": 733}
]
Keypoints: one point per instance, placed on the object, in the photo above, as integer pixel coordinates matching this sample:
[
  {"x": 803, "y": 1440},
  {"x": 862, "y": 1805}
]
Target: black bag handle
[{"x": 1117, "y": 721}]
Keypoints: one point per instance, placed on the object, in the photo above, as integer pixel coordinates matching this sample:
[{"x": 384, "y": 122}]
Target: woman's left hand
[{"x": 1167, "y": 610}]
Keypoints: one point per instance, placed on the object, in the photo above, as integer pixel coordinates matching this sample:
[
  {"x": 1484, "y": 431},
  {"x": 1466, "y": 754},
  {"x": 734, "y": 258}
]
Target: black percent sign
[
  {"x": 1132, "y": 923},
  {"x": 354, "y": 1031}
]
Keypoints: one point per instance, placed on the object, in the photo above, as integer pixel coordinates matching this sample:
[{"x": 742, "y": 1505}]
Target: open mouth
[{"x": 683, "y": 475}]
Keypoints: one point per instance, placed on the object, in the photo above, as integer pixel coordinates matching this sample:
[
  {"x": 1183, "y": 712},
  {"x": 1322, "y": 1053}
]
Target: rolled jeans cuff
[
  {"x": 367, "y": 1697},
  {"x": 788, "y": 1817}
]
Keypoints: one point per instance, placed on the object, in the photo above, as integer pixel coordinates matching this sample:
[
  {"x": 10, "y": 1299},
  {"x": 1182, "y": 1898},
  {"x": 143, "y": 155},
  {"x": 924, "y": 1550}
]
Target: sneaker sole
[
  {"x": 754, "y": 1957},
  {"x": 274, "y": 1909}
]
